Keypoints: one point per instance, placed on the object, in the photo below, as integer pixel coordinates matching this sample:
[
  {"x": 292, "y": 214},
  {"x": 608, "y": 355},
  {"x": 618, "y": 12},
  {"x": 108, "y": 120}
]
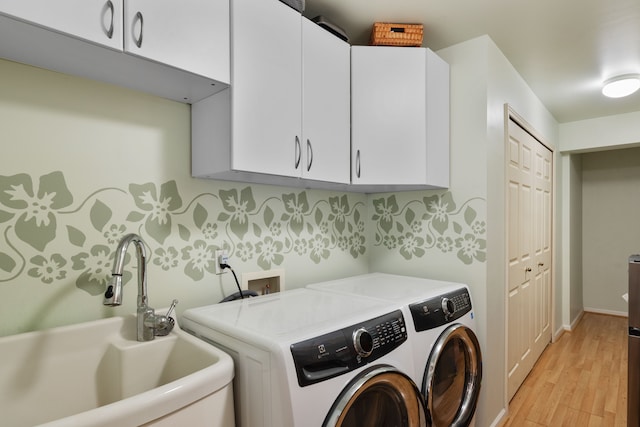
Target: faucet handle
[
  {"x": 164, "y": 324},
  {"x": 172, "y": 307}
]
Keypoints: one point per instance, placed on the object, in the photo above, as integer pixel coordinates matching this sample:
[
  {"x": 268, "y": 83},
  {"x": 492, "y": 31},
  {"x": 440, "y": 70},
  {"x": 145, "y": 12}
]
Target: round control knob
[
  {"x": 363, "y": 342},
  {"x": 448, "y": 307}
]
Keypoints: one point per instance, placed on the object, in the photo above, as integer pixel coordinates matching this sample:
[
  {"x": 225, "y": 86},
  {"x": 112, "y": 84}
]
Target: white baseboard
[
  {"x": 576, "y": 321},
  {"x": 557, "y": 334},
  {"x": 609, "y": 312},
  {"x": 568, "y": 328},
  {"x": 499, "y": 420}
]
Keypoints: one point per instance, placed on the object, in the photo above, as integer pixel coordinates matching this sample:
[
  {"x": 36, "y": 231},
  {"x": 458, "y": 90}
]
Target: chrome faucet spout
[
  {"x": 113, "y": 295},
  {"x": 148, "y": 324}
]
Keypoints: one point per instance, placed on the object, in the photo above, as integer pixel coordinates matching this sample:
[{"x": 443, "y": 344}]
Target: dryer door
[
  {"x": 451, "y": 384},
  {"x": 380, "y": 396}
]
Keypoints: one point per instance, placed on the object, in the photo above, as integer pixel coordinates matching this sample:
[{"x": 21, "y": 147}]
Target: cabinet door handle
[
  {"x": 297, "y": 153},
  {"x": 112, "y": 10},
  {"x": 309, "y": 155},
  {"x": 139, "y": 17},
  {"x": 358, "y": 163},
  {"x": 527, "y": 270}
]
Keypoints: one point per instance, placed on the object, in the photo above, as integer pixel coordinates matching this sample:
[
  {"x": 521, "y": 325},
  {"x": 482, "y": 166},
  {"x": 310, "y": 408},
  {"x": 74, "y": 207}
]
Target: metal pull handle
[
  {"x": 139, "y": 17},
  {"x": 528, "y": 269},
  {"x": 309, "y": 155},
  {"x": 172, "y": 307},
  {"x": 358, "y": 163},
  {"x": 163, "y": 325},
  {"x": 112, "y": 10},
  {"x": 541, "y": 264},
  {"x": 297, "y": 153}
]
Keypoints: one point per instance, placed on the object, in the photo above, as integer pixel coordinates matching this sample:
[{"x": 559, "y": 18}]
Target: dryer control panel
[
  {"x": 336, "y": 353},
  {"x": 440, "y": 310}
]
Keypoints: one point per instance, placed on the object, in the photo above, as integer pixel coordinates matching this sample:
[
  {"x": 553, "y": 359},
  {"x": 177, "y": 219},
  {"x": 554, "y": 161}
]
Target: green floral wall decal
[
  {"x": 55, "y": 241},
  {"x": 50, "y": 237},
  {"x": 433, "y": 223},
  {"x": 237, "y": 208},
  {"x": 36, "y": 224},
  {"x": 159, "y": 208}
]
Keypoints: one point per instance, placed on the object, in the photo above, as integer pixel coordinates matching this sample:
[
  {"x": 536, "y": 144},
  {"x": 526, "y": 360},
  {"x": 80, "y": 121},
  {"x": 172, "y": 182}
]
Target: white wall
[
  {"x": 611, "y": 227},
  {"x": 602, "y": 133},
  {"x": 482, "y": 81},
  {"x": 571, "y": 237},
  {"x": 618, "y": 132},
  {"x": 506, "y": 86}
]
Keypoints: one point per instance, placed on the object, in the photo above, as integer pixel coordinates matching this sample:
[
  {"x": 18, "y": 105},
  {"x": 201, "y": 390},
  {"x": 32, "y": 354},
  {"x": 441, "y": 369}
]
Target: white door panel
[{"x": 529, "y": 196}]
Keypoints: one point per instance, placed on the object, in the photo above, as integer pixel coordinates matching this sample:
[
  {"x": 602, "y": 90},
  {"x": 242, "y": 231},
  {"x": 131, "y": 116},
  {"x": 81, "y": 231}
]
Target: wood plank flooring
[{"x": 580, "y": 380}]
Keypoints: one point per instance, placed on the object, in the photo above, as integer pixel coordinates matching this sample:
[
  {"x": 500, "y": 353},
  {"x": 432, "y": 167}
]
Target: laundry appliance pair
[
  {"x": 337, "y": 354},
  {"x": 442, "y": 335}
]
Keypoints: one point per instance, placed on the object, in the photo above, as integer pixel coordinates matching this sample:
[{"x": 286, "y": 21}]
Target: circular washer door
[
  {"x": 380, "y": 396},
  {"x": 451, "y": 384}
]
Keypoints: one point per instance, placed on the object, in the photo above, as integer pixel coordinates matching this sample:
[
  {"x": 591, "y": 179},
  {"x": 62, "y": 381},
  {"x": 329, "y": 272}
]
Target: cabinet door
[
  {"x": 191, "y": 35},
  {"x": 388, "y": 115},
  {"x": 266, "y": 87},
  {"x": 98, "y": 21},
  {"x": 326, "y": 104}
]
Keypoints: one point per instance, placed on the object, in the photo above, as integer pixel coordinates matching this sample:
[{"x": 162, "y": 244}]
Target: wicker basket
[{"x": 386, "y": 34}]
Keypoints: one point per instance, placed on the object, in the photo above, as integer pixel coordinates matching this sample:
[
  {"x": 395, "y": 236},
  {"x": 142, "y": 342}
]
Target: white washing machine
[
  {"x": 447, "y": 356},
  {"x": 309, "y": 358}
]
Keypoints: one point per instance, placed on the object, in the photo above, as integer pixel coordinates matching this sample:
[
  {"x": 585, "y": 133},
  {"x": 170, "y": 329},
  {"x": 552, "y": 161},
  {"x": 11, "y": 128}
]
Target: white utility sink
[{"x": 98, "y": 374}]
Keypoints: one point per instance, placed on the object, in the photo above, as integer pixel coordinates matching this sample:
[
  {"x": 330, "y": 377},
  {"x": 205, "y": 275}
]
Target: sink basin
[{"x": 97, "y": 374}]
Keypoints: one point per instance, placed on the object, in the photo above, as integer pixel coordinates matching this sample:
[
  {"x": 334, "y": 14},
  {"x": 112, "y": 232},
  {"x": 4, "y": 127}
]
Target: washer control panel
[
  {"x": 338, "y": 352},
  {"x": 440, "y": 310}
]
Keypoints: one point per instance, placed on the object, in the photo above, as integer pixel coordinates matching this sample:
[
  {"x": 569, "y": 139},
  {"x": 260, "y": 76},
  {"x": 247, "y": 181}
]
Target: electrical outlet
[{"x": 221, "y": 258}]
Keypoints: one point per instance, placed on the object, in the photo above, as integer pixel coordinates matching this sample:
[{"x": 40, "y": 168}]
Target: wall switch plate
[{"x": 221, "y": 257}]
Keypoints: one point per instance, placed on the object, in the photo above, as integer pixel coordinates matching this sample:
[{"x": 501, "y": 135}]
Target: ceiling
[{"x": 564, "y": 49}]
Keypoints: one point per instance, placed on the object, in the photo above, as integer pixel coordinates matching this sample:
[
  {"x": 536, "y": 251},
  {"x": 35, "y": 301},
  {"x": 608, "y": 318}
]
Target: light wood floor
[{"x": 580, "y": 380}]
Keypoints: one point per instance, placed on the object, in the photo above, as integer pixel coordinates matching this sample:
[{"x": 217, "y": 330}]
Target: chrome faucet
[{"x": 148, "y": 323}]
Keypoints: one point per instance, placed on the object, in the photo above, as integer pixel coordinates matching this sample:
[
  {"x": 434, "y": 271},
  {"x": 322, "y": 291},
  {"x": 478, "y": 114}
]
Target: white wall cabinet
[
  {"x": 185, "y": 44},
  {"x": 266, "y": 128},
  {"x": 192, "y": 35},
  {"x": 326, "y": 95},
  {"x": 97, "y": 21},
  {"x": 266, "y": 88},
  {"x": 400, "y": 118}
]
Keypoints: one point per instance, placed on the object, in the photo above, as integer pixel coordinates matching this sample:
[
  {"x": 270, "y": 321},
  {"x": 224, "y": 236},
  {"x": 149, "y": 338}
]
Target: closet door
[{"x": 529, "y": 197}]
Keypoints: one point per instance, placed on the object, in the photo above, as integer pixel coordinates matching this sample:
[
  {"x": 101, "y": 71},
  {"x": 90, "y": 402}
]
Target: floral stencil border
[
  {"x": 51, "y": 238},
  {"x": 433, "y": 222},
  {"x": 179, "y": 235}
]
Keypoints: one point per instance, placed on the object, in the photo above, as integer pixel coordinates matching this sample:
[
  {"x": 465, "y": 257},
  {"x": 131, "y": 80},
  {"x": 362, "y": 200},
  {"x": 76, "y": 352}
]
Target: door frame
[{"x": 511, "y": 114}]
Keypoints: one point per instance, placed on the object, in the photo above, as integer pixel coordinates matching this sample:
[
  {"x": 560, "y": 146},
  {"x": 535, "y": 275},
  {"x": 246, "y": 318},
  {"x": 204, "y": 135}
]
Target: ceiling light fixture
[{"x": 620, "y": 86}]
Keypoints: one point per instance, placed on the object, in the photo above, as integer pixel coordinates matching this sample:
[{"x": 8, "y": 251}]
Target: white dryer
[
  {"x": 308, "y": 358},
  {"x": 447, "y": 356}
]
